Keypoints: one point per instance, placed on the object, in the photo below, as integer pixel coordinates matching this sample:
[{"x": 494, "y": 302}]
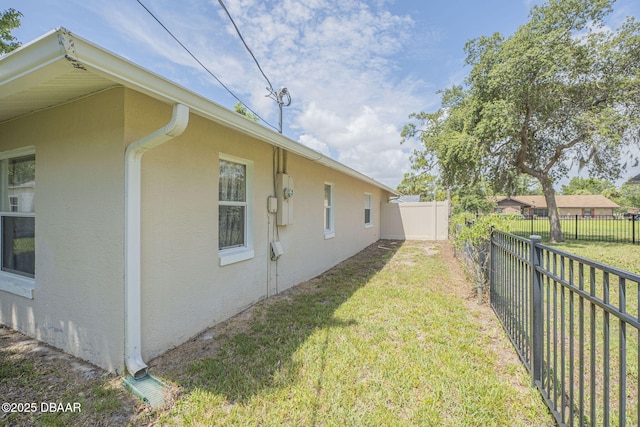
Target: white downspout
[{"x": 132, "y": 235}]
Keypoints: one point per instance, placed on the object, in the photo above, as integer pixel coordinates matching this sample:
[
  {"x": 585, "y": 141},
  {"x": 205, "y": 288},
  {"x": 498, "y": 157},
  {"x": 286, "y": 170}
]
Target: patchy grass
[
  {"x": 384, "y": 339},
  {"x": 37, "y": 378},
  {"x": 391, "y": 336}
]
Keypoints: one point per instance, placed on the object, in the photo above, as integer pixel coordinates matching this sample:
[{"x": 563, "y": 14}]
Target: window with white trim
[
  {"x": 329, "y": 228},
  {"x": 368, "y": 220},
  {"x": 17, "y": 213},
  {"x": 235, "y": 198}
]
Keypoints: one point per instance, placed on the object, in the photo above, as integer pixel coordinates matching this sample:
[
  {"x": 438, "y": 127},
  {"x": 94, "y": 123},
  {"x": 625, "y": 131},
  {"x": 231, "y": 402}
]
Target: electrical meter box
[{"x": 285, "y": 195}]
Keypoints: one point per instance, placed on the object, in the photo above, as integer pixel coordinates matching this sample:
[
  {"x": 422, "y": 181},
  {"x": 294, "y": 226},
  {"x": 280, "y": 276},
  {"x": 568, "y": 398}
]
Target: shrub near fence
[
  {"x": 575, "y": 227},
  {"x": 575, "y": 324}
]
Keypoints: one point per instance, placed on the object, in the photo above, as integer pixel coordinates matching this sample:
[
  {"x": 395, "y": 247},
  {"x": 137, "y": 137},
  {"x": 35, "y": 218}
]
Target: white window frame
[
  {"x": 329, "y": 211},
  {"x": 368, "y": 204},
  {"x": 245, "y": 252},
  {"x": 11, "y": 282}
]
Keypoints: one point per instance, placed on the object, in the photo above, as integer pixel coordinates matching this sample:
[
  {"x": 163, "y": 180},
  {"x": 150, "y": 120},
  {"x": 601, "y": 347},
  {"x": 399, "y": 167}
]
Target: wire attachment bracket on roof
[{"x": 66, "y": 41}]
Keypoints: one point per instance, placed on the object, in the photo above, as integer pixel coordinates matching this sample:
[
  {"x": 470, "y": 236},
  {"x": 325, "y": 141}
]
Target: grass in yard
[
  {"x": 383, "y": 339},
  {"x": 34, "y": 373},
  {"x": 603, "y": 229},
  {"x": 621, "y": 255}
]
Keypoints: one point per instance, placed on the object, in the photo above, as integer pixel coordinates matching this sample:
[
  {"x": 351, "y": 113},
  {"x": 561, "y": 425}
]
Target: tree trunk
[{"x": 555, "y": 235}]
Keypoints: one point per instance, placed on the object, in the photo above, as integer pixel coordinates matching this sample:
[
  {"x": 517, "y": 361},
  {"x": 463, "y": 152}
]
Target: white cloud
[{"x": 338, "y": 60}]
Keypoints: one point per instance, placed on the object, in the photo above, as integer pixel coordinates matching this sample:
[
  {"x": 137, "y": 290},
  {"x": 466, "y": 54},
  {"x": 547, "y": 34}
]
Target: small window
[
  {"x": 17, "y": 215},
  {"x": 329, "y": 229},
  {"x": 235, "y": 185},
  {"x": 368, "y": 222}
]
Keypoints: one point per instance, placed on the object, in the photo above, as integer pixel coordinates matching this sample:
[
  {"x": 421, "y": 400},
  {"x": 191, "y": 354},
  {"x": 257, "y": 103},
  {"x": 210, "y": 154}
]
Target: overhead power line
[
  {"x": 207, "y": 69},
  {"x": 245, "y": 44},
  {"x": 282, "y": 95}
]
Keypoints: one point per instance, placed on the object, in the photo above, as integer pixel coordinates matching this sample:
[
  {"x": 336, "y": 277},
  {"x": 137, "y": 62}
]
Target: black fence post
[
  {"x": 536, "y": 314},
  {"x": 633, "y": 229},
  {"x": 576, "y": 227},
  {"x": 531, "y": 225}
]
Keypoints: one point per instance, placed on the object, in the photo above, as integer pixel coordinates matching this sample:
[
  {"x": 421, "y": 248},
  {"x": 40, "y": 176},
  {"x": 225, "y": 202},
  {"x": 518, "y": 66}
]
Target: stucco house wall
[
  {"x": 78, "y": 289},
  {"x": 184, "y": 288},
  {"x": 78, "y": 296},
  {"x": 79, "y": 108}
]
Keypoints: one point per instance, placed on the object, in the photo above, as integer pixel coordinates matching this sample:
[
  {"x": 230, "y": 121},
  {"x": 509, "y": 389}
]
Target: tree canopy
[
  {"x": 242, "y": 110},
  {"x": 578, "y": 185},
  {"x": 425, "y": 185},
  {"x": 9, "y": 20},
  {"x": 562, "y": 91}
]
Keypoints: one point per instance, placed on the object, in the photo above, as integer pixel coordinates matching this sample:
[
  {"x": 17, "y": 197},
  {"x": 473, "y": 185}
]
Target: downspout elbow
[{"x": 132, "y": 280}]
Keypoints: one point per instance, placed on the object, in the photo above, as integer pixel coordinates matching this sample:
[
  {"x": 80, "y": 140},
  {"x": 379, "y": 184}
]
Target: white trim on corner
[{"x": 17, "y": 285}]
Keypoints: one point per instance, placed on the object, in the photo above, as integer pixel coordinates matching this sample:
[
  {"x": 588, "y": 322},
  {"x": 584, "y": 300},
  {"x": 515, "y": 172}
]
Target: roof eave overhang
[{"x": 58, "y": 49}]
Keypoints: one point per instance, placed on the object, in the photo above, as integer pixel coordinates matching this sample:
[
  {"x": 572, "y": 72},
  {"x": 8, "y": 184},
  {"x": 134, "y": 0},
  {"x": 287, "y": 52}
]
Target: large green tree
[
  {"x": 423, "y": 184},
  {"x": 562, "y": 91},
  {"x": 9, "y": 20},
  {"x": 579, "y": 185},
  {"x": 629, "y": 196}
]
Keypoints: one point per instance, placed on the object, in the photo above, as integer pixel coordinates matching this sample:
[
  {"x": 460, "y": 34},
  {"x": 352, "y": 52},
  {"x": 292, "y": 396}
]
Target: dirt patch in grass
[
  {"x": 508, "y": 360},
  {"x": 206, "y": 344},
  {"x": 34, "y": 376},
  {"x": 31, "y": 371}
]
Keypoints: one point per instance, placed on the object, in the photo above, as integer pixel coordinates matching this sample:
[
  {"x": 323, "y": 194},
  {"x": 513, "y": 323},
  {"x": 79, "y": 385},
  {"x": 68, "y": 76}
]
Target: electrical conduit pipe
[{"x": 132, "y": 251}]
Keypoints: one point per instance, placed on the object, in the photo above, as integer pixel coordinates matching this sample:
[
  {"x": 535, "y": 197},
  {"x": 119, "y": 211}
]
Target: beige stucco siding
[
  {"x": 78, "y": 296},
  {"x": 78, "y": 302},
  {"x": 307, "y": 252},
  {"x": 184, "y": 288}
]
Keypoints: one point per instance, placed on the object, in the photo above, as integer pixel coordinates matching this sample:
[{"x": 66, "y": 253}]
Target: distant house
[
  {"x": 509, "y": 205},
  {"x": 585, "y": 206},
  {"x": 635, "y": 180}
]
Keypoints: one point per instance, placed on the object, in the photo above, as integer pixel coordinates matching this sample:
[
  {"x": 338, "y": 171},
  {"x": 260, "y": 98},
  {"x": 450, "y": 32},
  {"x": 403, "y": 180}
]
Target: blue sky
[{"x": 355, "y": 68}]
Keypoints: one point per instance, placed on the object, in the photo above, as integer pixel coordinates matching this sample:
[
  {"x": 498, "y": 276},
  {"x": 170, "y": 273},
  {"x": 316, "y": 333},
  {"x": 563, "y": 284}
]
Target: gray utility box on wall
[{"x": 285, "y": 194}]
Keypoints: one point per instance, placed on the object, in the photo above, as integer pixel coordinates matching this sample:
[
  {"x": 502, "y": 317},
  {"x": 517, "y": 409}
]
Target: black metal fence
[
  {"x": 604, "y": 228},
  {"x": 574, "y": 323}
]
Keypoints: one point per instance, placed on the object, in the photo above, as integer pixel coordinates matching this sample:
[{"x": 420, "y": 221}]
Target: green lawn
[
  {"x": 384, "y": 339},
  {"x": 597, "y": 229},
  {"x": 390, "y": 337},
  {"x": 623, "y": 256}
]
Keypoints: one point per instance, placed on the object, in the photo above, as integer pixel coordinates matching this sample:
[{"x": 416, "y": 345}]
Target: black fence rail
[
  {"x": 575, "y": 325},
  {"x": 604, "y": 228}
]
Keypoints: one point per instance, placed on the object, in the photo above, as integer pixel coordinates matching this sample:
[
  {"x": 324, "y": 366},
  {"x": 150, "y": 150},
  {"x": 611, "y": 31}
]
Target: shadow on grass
[{"x": 261, "y": 357}]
